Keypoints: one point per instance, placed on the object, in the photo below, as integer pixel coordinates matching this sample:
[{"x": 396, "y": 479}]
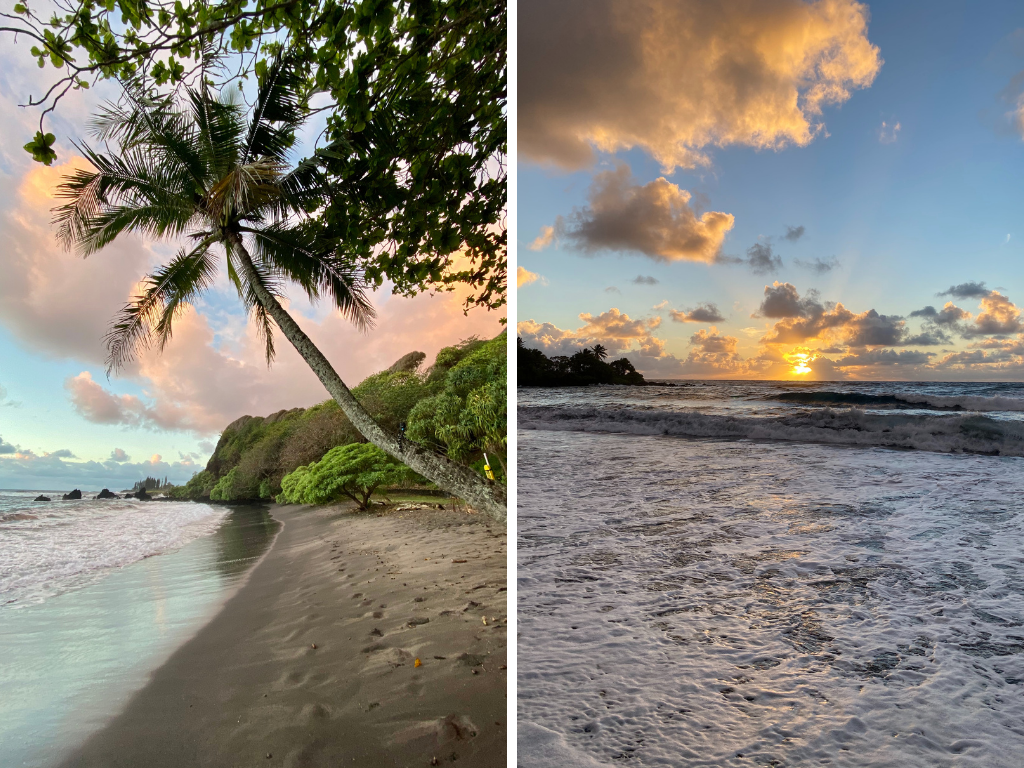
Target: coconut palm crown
[{"x": 206, "y": 169}]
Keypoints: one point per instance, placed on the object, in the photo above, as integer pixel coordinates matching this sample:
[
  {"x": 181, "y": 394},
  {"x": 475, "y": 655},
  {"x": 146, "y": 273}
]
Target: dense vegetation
[
  {"x": 581, "y": 369},
  {"x": 457, "y": 408},
  {"x": 413, "y": 94}
]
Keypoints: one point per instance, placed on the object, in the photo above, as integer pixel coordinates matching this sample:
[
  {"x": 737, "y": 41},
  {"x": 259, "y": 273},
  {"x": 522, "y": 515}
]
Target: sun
[{"x": 799, "y": 361}]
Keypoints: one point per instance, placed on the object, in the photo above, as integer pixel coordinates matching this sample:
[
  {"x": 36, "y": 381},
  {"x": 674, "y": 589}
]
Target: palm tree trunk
[{"x": 483, "y": 494}]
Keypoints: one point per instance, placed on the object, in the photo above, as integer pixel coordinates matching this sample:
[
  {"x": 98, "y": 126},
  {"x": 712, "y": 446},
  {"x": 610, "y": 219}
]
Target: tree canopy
[{"x": 413, "y": 91}]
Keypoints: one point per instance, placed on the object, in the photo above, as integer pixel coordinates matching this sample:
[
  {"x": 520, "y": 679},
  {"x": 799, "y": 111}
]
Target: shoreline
[{"x": 312, "y": 661}]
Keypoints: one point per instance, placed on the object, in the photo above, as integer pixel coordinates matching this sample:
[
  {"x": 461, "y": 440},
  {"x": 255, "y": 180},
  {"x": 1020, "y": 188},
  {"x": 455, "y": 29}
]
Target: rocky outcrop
[
  {"x": 142, "y": 495},
  {"x": 107, "y": 494},
  {"x": 73, "y": 496},
  {"x": 410, "y": 362},
  {"x": 42, "y": 498}
]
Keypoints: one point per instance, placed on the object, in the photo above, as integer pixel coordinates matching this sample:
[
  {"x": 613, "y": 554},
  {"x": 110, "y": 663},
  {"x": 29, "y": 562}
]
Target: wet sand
[{"x": 313, "y": 661}]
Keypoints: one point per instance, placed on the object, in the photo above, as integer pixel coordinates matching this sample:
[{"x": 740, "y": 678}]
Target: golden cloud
[
  {"x": 655, "y": 219},
  {"x": 544, "y": 239},
  {"x": 678, "y": 76},
  {"x": 525, "y": 277}
]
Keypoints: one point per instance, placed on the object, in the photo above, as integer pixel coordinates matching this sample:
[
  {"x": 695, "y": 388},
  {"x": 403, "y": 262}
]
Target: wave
[
  {"x": 901, "y": 400},
  {"x": 942, "y": 434}
]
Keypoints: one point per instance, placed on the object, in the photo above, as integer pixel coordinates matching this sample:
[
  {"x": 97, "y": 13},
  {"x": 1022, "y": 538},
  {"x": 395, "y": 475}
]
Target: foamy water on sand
[
  {"x": 779, "y": 602},
  {"x": 96, "y": 594}
]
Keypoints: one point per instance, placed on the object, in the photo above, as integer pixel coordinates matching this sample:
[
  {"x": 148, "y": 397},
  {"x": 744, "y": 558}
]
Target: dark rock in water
[
  {"x": 142, "y": 495},
  {"x": 75, "y": 494},
  {"x": 42, "y": 498},
  {"x": 106, "y": 494}
]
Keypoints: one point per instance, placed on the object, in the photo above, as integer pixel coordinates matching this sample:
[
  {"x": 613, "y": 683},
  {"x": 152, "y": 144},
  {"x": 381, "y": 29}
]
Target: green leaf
[{"x": 41, "y": 148}]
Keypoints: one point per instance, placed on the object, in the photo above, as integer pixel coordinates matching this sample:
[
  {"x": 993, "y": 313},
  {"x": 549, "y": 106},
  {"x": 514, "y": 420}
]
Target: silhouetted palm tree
[
  {"x": 207, "y": 169},
  {"x": 600, "y": 351}
]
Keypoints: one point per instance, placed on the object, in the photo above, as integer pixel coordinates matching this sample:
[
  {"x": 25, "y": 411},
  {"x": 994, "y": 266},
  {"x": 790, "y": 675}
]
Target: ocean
[
  {"x": 771, "y": 574},
  {"x": 94, "y": 595}
]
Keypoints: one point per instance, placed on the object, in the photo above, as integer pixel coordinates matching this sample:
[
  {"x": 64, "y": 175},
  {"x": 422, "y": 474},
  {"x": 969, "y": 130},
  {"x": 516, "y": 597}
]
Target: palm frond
[
  {"x": 276, "y": 114},
  {"x": 296, "y": 254},
  {"x": 125, "y": 193},
  {"x": 165, "y": 294}
]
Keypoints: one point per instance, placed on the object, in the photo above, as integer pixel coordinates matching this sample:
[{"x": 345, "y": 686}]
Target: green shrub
[
  {"x": 388, "y": 396},
  {"x": 355, "y": 471},
  {"x": 198, "y": 487},
  {"x": 468, "y": 416}
]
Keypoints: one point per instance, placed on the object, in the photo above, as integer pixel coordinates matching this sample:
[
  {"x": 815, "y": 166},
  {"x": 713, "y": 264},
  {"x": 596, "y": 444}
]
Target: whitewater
[
  {"x": 747, "y": 573},
  {"x": 51, "y": 547}
]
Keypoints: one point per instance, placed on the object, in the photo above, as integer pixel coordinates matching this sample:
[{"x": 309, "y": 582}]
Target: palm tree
[
  {"x": 207, "y": 169},
  {"x": 600, "y": 351}
]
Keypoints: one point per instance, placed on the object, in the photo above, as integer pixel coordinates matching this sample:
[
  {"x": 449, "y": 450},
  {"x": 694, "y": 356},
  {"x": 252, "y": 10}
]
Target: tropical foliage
[
  {"x": 468, "y": 414},
  {"x": 206, "y": 168},
  {"x": 414, "y": 93},
  {"x": 355, "y": 471},
  {"x": 583, "y": 368},
  {"x": 255, "y": 454}
]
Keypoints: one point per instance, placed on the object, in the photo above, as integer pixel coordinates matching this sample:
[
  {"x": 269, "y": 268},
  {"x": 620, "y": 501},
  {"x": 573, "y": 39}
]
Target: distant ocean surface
[
  {"x": 94, "y": 595},
  {"x": 768, "y": 573}
]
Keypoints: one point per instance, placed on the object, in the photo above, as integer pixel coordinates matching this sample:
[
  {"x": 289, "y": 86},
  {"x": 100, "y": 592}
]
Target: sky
[
  {"x": 774, "y": 189},
  {"x": 63, "y": 423}
]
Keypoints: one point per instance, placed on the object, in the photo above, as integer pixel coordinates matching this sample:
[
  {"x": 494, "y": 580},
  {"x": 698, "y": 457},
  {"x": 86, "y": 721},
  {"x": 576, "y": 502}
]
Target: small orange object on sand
[{"x": 417, "y": 663}]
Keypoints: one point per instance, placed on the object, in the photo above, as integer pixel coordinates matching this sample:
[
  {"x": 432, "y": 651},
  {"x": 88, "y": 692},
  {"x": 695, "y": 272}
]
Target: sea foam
[
  {"x": 47, "y": 548},
  {"x": 852, "y": 427}
]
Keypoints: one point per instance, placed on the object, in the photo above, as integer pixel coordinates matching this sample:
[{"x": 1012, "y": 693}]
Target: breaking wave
[
  {"x": 942, "y": 434},
  {"x": 921, "y": 402}
]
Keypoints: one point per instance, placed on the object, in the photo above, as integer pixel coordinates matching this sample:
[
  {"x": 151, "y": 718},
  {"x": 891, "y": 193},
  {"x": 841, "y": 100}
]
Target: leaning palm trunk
[
  {"x": 199, "y": 170},
  {"x": 455, "y": 478}
]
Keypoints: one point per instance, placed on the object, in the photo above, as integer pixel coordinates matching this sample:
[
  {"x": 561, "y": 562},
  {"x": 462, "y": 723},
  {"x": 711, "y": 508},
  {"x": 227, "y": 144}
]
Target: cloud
[
  {"x": 794, "y": 233},
  {"x": 62, "y": 453},
  {"x": 206, "y": 446},
  {"x": 660, "y": 305},
  {"x": 645, "y": 280},
  {"x": 704, "y": 313},
  {"x": 676, "y": 77},
  {"x": 966, "y": 291},
  {"x": 804, "y": 319},
  {"x": 26, "y": 469},
  {"x": 119, "y": 455},
  {"x": 213, "y": 371},
  {"x": 58, "y": 303},
  {"x": 99, "y": 406},
  {"x": 782, "y": 300},
  {"x": 998, "y": 315},
  {"x": 6, "y": 402},
  {"x": 884, "y": 357},
  {"x": 713, "y": 353},
  {"x": 544, "y": 239},
  {"x": 888, "y": 133},
  {"x": 6, "y": 448},
  {"x": 614, "y": 329},
  {"x": 949, "y": 315},
  {"x": 818, "y": 266},
  {"x": 655, "y": 219},
  {"x": 612, "y": 289},
  {"x": 525, "y": 277},
  {"x": 761, "y": 260}
]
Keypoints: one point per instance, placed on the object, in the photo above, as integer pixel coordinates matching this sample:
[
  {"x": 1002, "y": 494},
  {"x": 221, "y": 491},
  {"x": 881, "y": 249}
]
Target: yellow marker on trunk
[{"x": 487, "y": 468}]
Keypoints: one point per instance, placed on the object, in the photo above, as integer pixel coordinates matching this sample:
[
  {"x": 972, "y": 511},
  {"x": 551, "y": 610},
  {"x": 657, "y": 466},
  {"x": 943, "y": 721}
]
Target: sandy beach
[{"x": 359, "y": 639}]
